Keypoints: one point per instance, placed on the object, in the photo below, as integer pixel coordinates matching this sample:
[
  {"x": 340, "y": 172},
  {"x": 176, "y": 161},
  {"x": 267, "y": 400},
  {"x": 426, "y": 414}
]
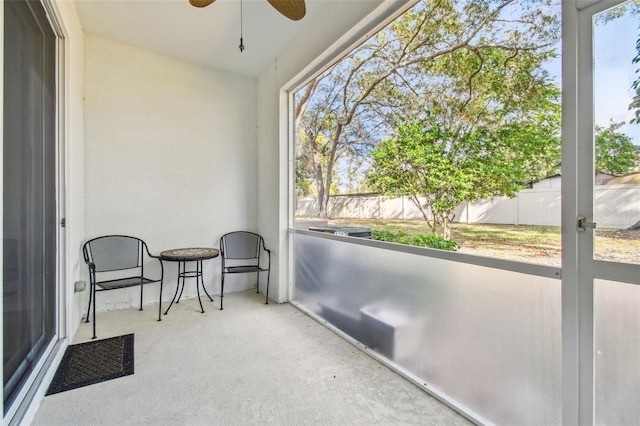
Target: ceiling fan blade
[
  {"x": 201, "y": 3},
  {"x": 292, "y": 9}
]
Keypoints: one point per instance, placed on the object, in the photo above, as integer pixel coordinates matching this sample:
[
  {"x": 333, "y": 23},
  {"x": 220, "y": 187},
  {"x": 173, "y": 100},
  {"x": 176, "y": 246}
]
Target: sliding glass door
[
  {"x": 616, "y": 143},
  {"x": 601, "y": 271},
  {"x": 29, "y": 192}
]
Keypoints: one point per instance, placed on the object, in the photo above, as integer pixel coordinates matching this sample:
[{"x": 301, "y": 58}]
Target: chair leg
[
  {"x": 258, "y": 282},
  {"x": 141, "y": 287},
  {"x": 221, "y": 291},
  {"x": 266, "y": 301},
  {"x": 94, "y": 312},
  {"x": 160, "y": 298},
  {"x": 90, "y": 297}
]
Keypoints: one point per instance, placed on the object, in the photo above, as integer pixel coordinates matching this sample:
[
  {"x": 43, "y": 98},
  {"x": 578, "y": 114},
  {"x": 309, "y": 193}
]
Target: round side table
[{"x": 182, "y": 256}]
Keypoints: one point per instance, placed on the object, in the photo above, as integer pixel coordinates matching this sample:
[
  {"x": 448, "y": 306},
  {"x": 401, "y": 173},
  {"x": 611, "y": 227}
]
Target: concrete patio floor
[{"x": 249, "y": 364}]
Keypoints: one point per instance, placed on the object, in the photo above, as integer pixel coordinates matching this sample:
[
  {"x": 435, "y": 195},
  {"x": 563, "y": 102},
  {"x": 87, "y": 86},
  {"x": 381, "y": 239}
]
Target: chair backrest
[
  {"x": 240, "y": 245},
  {"x": 114, "y": 252}
]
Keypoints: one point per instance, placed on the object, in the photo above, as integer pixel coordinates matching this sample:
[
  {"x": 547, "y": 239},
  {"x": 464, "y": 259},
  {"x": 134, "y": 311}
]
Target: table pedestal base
[{"x": 183, "y": 273}]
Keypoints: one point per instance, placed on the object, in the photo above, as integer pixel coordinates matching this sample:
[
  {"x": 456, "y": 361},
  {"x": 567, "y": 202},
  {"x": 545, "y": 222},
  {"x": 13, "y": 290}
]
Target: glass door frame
[
  {"x": 54, "y": 349},
  {"x": 579, "y": 269}
]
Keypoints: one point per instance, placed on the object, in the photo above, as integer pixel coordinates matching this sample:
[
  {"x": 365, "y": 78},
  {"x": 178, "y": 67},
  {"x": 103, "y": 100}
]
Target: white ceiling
[{"x": 209, "y": 36}]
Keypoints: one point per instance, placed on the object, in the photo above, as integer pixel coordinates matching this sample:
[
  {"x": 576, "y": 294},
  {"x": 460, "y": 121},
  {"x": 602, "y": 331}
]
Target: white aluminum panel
[
  {"x": 617, "y": 353},
  {"x": 486, "y": 338}
]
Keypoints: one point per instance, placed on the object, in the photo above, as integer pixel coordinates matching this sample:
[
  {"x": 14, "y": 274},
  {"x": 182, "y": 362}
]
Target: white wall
[
  {"x": 332, "y": 23},
  {"x": 616, "y": 206},
  {"x": 170, "y": 156}
]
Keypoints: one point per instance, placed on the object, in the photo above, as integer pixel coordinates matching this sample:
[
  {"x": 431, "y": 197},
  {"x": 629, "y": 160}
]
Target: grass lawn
[{"x": 535, "y": 244}]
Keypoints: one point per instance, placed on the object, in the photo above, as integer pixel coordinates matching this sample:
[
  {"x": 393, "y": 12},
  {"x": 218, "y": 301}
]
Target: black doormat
[{"x": 93, "y": 362}]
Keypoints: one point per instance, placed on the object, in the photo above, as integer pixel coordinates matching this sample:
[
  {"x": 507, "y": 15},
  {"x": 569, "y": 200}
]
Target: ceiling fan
[{"x": 292, "y": 9}]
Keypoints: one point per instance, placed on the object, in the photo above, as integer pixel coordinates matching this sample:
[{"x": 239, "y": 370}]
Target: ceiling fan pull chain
[{"x": 241, "y": 47}]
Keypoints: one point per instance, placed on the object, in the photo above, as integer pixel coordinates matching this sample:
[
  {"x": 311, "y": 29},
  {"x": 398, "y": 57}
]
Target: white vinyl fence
[{"x": 617, "y": 206}]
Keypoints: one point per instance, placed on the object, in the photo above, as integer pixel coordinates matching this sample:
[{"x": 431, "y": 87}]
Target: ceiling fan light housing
[
  {"x": 201, "y": 3},
  {"x": 292, "y": 9}
]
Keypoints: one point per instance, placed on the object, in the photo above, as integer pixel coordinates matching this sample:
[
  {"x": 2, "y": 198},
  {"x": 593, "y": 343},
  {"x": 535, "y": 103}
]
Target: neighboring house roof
[
  {"x": 548, "y": 177},
  {"x": 603, "y": 179},
  {"x": 629, "y": 179}
]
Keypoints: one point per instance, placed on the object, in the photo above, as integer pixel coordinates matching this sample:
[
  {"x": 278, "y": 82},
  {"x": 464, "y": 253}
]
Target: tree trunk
[
  {"x": 446, "y": 229},
  {"x": 324, "y": 206},
  {"x": 301, "y": 107},
  {"x": 430, "y": 223},
  {"x": 322, "y": 211}
]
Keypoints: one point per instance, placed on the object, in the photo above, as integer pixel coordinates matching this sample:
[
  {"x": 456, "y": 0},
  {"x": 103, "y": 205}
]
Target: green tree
[
  {"x": 416, "y": 64},
  {"x": 438, "y": 167},
  {"x": 635, "y": 102},
  {"x": 615, "y": 152}
]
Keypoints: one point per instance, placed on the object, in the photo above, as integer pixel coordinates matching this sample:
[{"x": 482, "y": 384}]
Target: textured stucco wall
[
  {"x": 170, "y": 156},
  {"x": 616, "y": 206}
]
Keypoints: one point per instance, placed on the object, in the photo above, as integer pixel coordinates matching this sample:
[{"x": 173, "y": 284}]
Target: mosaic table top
[{"x": 193, "y": 253}]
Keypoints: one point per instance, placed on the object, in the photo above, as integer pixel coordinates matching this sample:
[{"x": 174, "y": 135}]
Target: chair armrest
[
  {"x": 153, "y": 256},
  {"x": 268, "y": 253},
  {"x": 264, "y": 247},
  {"x": 146, "y": 248}
]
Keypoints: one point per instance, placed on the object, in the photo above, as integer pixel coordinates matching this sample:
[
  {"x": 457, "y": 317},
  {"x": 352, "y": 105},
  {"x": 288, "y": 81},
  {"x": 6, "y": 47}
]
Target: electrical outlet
[{"x": 79, "y": 286}]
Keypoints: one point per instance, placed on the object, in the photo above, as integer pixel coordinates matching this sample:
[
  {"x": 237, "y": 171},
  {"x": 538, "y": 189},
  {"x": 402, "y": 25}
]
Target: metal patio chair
[
  {"x": 115, "y": 261},
  {"x": 241, "y": 254}
]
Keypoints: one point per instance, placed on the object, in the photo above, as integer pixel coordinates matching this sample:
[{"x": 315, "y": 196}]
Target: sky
[{"x": 614, "y": 73}]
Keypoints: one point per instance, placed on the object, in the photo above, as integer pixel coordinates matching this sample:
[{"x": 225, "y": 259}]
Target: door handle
[{"x": 583, "y": 224}]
